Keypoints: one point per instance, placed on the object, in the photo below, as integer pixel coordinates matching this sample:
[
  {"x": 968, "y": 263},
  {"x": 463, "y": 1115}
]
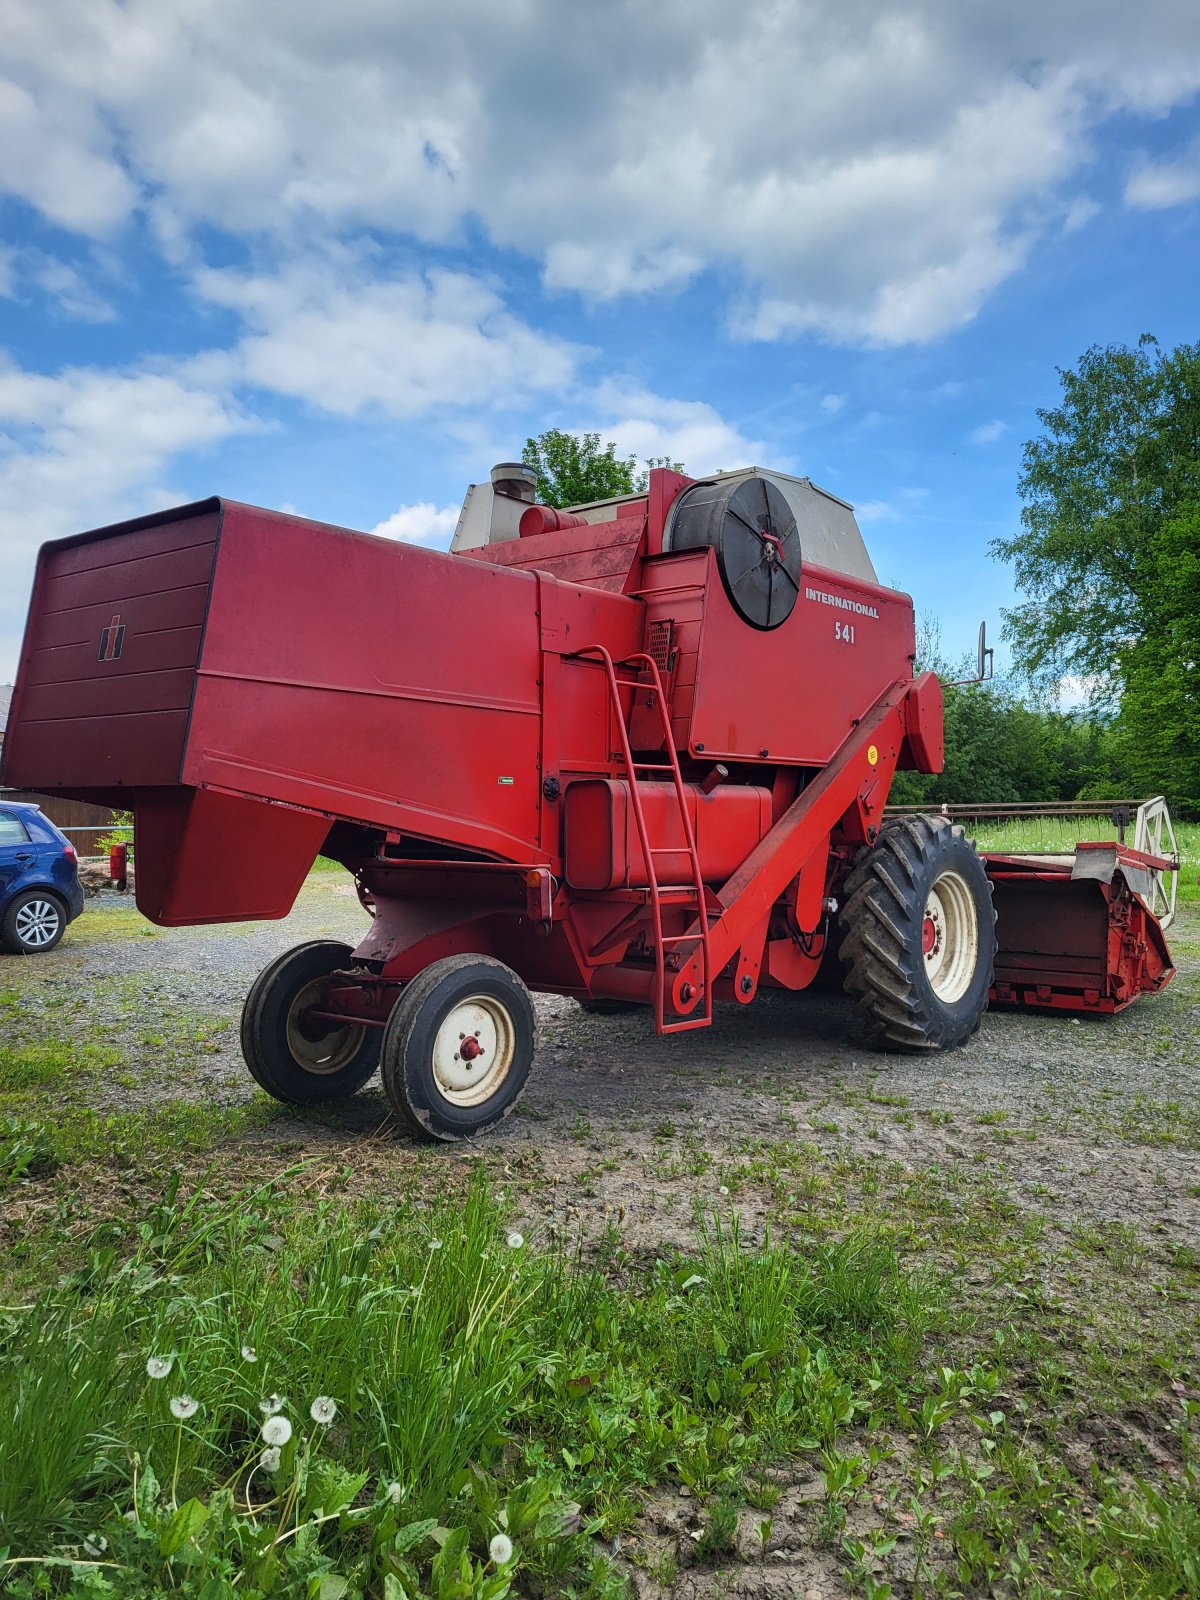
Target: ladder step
[{"x": 694, "y": 896}]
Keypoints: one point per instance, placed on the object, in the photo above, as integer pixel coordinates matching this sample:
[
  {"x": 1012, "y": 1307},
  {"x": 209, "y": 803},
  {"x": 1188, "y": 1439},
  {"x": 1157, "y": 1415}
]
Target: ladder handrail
[{"x": 702, "y": 922}]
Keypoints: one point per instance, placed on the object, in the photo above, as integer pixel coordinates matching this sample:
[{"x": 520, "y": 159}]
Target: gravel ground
[{"x": 1094, "y": 1123}]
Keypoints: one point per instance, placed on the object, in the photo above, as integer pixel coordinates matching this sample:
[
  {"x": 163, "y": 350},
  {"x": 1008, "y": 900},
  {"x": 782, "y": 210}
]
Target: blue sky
[{"x": 341, "y": 259}]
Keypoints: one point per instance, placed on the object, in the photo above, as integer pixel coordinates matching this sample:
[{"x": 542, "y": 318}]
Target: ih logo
[{"x": 112, "y": 640}]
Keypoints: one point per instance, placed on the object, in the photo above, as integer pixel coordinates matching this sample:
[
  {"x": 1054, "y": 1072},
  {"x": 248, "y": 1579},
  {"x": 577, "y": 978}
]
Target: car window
[{"x": 12, "y": 829}]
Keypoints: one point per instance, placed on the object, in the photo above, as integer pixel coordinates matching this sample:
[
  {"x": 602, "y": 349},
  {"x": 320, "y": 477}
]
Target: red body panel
[{"x": 92, "y": 711}]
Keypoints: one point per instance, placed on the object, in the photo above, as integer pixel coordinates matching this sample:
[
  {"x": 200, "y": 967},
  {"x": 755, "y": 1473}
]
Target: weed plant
[{"x": 238, "y": 1402}]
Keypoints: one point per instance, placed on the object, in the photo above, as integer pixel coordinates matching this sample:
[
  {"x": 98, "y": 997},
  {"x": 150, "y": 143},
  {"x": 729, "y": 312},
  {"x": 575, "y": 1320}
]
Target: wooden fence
[{"x": 82, "y": 823}]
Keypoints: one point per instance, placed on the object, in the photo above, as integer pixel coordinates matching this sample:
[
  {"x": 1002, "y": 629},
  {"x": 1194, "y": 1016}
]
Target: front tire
[
  {"x": 299, "y": 1059},
  {"x": 458, "y": 1047},
  {"x": 919, "y": 936},
  {"x": 33, "y": 923}
]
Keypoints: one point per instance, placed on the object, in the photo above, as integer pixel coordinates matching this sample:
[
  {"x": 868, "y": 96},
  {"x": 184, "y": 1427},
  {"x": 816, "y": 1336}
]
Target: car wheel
[{"x": 33, "y": 923}]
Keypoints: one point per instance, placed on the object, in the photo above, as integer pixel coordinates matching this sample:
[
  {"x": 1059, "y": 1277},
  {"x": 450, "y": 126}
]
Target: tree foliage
[
  {"x": 1001, "y": 749},
  {"x": 1159, "y": 722},
  {"x": 1118, "y": 458},
  {"x": 573, "y": 468}
]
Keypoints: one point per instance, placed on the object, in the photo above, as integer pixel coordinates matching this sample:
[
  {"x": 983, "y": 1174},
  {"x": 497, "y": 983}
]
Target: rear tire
[
  {"x": 919, "y": 936},
  {"x": 435, "y": 1087},
  {"x": 33, "y": 923},
  {"x": 304, "y": 1061}
]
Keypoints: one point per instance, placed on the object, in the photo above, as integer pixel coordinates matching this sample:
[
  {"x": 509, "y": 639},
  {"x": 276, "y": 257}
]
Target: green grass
[
  {"x": 1062, "y": 833},
  {"x": 480, "y": 1386}
]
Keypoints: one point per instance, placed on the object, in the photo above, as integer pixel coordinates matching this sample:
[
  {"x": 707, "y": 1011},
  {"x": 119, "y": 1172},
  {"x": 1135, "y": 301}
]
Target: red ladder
[{"x": 699, "y": 934}]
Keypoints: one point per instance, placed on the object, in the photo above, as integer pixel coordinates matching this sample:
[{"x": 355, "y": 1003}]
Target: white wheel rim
[
  {"x": 950, "y": 937},
  {"x": 317, "y": 1046},
  {"x": 474, "y": 1050},
  {"x": 37, "y": 923}
]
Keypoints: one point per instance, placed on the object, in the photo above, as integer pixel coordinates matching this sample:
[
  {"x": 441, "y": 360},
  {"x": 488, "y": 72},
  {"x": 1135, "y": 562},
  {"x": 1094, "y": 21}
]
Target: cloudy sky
[{"x": 341, "y": 258}]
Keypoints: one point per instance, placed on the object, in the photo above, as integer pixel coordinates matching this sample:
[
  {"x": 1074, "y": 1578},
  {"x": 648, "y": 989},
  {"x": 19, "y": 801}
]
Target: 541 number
[{"x": 843, "y": 632}]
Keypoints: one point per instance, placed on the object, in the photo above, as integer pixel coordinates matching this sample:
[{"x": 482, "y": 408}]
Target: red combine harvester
[{"x": 637, "y": 752}]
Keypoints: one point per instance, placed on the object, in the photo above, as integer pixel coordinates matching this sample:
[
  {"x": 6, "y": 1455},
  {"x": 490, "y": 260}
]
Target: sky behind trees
[{"x": 341, "y": 259}]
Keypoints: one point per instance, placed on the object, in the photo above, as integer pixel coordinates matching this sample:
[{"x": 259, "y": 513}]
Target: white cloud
[
  {"x": 867, "y": 173},
  {"x": 988, "y": 432},
  {"x": 876, "y": 511},
  {"x": 1156, "y": 185},
  {"x": 1079, "y": 213},
  {"x": 88, "y": 447},
  {"x": 647, "y": 425},
  {"x": 61, "y": 283},
  {"x": 423, "y": 523},
  {"x": 833, "y": 403},
  {"x": 323, "y": 331}
]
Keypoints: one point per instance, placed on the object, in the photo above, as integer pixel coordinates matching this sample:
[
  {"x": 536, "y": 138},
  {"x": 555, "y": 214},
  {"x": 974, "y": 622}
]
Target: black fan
[{"x": 751, "y": 527}]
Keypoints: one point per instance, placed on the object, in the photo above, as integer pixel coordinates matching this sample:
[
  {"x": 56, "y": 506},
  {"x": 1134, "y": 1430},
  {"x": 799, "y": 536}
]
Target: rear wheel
[
  {"x": 33, "y": 923},
  {"x": 919, "y": 936},
  {"x": 296, "y": 1057},
  {"x": 458, "y": 1047}
]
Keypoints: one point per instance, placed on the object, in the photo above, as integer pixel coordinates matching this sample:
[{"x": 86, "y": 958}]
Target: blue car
[{"x": 40, "y": 890}]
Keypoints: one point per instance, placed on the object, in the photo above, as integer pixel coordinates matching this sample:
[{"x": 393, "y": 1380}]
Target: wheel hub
[
  {"x": 36, "y": 923},
  {"x": 950, "y": 937},
  {"x": 474, "y": 1049},
  {"x": 316, "y": 1045}
]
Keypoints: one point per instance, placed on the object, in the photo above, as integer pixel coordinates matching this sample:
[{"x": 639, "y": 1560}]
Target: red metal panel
[
  {"x": 382, "y": 683},
  {"x": 797, "y": 691},
  {"x": 264, "y": 853},
  {"x": 603, "y": 850},
  {"x": 110, "y": 650},
  {"x": 587, "y": 552},
  {"x": 923, "y": 726}
]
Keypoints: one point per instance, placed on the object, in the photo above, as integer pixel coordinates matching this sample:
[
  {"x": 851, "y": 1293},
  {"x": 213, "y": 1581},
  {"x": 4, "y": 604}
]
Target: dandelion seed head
[
  {"x": 159, "y": 1366},
  {"x": 272, "y": 1404},
  {"x": 269, "y": 1460},
  {"x": 183, "y": 1406},
  {"x": 276, "y": 1431},
  {"x": 249, "y": 1353},
  {"x": 515, "y": 1241},
  {"x": 500, "y": 1549},
  {"x": 435, "y": 1244},
  {"x": 724, "y": 1189},
  {"x": 394, "y": 1493},
  {"x": 323, "y": 1410}
]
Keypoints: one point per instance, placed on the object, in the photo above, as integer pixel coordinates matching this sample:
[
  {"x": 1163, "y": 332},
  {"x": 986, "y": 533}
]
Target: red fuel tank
[{"x": 603, "y": 849}]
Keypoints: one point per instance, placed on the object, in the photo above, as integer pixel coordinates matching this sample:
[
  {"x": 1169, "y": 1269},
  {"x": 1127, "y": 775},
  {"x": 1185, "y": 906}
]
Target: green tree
[
  {"x": 573, "y": 469},
  {"x": 1159, "y": 722},
  {"x": 1118, "y": 458},
  {"x": 1000, "y": 748}
]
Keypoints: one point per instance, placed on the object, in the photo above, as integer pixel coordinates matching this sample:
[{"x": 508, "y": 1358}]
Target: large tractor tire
[
  {"x": 297, "y": 1058},
  {"x": 458, "y": 1047},
  {"x": 919, "y": 936}
]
